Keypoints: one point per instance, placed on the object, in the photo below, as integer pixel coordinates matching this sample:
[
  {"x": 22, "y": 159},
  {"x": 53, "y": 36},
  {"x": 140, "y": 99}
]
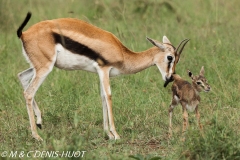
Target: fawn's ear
[
  {"x": 202, "y": 71},
  {"x": 190, "y": 74}
]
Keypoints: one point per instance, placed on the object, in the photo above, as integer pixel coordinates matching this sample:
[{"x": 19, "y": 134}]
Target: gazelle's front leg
[
  {"x": 105, "y": 114},
  {"x": 198, "y": 118},
  {"x": 103, "y": 73}
]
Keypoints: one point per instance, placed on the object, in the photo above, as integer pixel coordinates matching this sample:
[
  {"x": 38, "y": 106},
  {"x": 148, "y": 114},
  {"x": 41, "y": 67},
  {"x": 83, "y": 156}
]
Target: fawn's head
[{"x": 200, "y": 82}]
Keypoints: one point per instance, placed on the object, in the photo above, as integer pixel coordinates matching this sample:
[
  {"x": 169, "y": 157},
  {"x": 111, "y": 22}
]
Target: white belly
[
  {"x": 71, "y": 61},
  {"x": 190, "y": 108}
]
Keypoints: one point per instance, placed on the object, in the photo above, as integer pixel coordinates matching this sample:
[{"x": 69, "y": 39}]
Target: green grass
[{"x": 70, "y": 101}]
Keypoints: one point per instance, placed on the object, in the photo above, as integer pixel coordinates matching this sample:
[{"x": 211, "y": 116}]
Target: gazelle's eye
[
  {"x": 199, "y": 83},
  {"x": 170, "y": 58}
]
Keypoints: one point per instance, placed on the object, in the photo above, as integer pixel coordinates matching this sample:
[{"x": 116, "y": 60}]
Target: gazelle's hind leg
[
  {"x": 29, "y": 94},
  {"x": 25, "y": 78}
]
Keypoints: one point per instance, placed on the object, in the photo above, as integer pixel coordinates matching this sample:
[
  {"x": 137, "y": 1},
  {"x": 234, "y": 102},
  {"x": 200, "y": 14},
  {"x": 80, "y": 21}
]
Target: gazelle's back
[{"x": 78, "y": 37}]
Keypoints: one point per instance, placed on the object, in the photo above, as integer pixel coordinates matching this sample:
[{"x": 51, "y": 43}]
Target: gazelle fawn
[{"x": 187, "y": 95}]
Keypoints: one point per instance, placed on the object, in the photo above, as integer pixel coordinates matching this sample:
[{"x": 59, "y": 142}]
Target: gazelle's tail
[{"x": 19, "y": 31}]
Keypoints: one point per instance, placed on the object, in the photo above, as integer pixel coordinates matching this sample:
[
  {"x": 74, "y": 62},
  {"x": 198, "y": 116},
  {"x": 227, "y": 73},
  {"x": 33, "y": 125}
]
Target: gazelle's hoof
[
  {"x": 37, "y": 137},
  {"x": 110, "y": 136},
  {"x": 115, "y": 134},
  {"x": 39, "y": 126},
  {"x": 117, "y": 137},
  {"x": 183, "y": 139},
  {"x": 169, "y": 135}
]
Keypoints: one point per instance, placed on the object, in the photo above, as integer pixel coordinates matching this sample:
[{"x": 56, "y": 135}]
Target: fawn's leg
[
  {"x": 185, "y": 117},
  {"x": 170, "y": 112},
  {"x": 198, "y": 118}
]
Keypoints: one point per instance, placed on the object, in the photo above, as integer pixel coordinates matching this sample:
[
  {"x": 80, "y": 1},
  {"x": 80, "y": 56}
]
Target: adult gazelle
[{"x": 72, "y": 44}]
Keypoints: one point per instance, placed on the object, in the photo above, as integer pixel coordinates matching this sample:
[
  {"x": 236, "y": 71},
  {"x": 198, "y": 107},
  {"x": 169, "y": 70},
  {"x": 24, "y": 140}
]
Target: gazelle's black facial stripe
[
  {"x": 170, "y": 59},
  {"x": 169, "y": 66}
]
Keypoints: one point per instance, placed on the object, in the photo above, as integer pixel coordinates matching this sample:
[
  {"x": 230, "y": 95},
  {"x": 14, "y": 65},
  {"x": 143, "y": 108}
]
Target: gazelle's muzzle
[{"x": 168, "y": 80}]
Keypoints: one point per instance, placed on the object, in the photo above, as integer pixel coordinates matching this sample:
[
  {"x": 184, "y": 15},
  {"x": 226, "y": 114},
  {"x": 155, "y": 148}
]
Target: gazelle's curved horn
[
  {"x": 179, "y": 46},
  {"x": 178, "y": 53}
]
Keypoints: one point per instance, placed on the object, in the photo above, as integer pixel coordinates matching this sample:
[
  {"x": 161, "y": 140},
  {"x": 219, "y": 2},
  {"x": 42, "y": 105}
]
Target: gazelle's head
[
  {"x": 167, "y": 58},
  {"x": 200, "y": 82}
]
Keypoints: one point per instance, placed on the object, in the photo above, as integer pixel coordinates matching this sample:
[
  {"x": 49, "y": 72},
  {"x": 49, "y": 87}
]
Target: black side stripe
[{"x": 78, "y": 48}]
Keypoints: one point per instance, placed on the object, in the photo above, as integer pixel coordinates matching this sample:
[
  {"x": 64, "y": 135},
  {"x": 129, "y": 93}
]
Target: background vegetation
[{"x": 70, "y": 101}]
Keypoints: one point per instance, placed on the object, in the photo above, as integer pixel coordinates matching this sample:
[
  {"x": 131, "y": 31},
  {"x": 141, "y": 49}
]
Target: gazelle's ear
[
  {"x": 202, "y": 71},
  {"x": 166, "y": 40},
  {"x": 156, "y": 43},
  {"x": 190, "y": 74}
]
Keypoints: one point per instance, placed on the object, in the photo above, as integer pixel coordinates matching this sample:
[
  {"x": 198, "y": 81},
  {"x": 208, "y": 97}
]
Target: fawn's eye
[{"x": 199, "y": 83}]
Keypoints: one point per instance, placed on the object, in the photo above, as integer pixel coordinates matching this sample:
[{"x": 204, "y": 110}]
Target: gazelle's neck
[{"x": 137, "y": 61}]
